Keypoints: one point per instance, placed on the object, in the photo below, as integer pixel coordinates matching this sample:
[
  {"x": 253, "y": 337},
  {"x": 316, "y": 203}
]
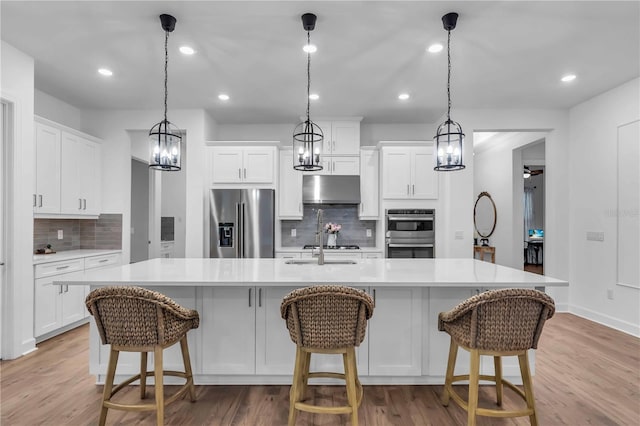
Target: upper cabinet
[
  {"x": 407, "y": 173},
  {"x": 341, "y": 137},
  {"x": 68, "y": 172},
  {"x": 369, "y": 185},
  {"x": 289, "y": 188},
  {"x": 339, "y": 165},
  {"x": 242, "y": 164}
]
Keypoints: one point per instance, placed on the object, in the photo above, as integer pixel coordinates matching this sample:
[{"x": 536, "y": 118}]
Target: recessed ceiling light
[
  {"x": 314, "y": 96},
  {"x": 187, "y": 50},
  {"x": 435, "y": 48},
  {"x": 309, "y": 48},
  {"x": 403, "y": 96},
  {"x": 568, "y": 77},
  {"x": 106, "y": 72},
  {"x": 223, "y": 97}
]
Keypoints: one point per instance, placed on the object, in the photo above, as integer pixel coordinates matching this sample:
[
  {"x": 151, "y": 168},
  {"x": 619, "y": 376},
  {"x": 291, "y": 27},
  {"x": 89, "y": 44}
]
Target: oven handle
[
  {"x": 409, "y": 245},
  {"x": 412, "y": 219}
]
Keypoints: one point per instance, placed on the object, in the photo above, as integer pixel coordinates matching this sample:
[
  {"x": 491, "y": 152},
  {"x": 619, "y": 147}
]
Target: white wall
[
  {"x": 56, "y": 110},
  {"x": 594, "y": 126},
  {"x": 16, "y": 87}
]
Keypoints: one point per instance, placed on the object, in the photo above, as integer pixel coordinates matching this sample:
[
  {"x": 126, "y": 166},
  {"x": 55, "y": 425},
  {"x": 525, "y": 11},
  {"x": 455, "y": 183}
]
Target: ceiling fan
[{"x": 527, "y": 173}]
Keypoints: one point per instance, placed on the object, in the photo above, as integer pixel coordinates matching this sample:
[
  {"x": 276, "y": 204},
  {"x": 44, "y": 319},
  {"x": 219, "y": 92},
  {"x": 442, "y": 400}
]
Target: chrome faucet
[{"x": 319, "y": 237}]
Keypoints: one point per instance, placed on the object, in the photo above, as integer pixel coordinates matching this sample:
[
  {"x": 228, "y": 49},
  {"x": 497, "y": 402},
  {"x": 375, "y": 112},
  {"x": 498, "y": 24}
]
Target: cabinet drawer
[
  {"x": 101, "y": 261},
  {"x": 57, "y": 268}
]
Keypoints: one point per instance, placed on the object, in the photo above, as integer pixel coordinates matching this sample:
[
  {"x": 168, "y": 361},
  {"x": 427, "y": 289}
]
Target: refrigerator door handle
[
  {"x": 242, "y": 224},
  {"x": 238, "y": 231}
]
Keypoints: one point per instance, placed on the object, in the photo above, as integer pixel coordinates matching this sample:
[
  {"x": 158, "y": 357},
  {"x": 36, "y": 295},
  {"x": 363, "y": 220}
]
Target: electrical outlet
[
  {"x": 610, "y": 293},
  {"x": 293, "y": 232},
  {"x": 369, "y": 233},
  {"x": 595, "y": 236},
  {"x": 60, "y": 234},
  {"x": 459, "y": 235}
]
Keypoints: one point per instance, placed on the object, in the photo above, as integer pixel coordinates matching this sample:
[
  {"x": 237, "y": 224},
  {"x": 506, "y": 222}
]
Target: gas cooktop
[{"x": 338, "y": 247}]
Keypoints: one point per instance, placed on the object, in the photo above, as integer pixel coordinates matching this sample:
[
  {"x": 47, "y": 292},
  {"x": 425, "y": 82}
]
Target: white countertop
[
  {"x": 69, "y": 255},
  {"x": 276, "y": 273}
]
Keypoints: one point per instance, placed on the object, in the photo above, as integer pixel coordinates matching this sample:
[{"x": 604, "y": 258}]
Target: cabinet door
[
  {"x": 47, "y": 309},
  {"x": 89, "y": 171},
  {"x": 71, "y": 182},
  {"x": 424, "y": 179},
  {"x": 275, "y": 352},
  {"x": 73, "y": 307},
  {"x": 396, "y": 173},
  {"x": 226, "y": 165},
  {"x": 345, "y": 137},
  {"x": 290, "y": 188},
  {"x": 345, "y": 165},
  {"x": 258, "y": 165},
  {"x": 327, "y": 141},
  {"x": 369, "y": 185},
  {"x": 228, "y": 314},
  {"x": 395, "y": 332},
  {"x": 48, "y": 143}
]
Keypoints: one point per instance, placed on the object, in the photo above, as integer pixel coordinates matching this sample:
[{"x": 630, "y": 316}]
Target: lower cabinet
[{"x": 395, "y": 332}]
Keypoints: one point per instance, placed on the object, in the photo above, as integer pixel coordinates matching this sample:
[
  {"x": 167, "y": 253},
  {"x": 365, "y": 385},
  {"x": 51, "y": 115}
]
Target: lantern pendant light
[
  {"x": 307, "y": 136},
  {"x": 165, "y": 139},
  {"x": 448, "y": 142}
]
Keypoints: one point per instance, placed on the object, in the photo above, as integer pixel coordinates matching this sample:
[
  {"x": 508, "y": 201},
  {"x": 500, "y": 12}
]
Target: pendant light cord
[
  {"x": 448, "y": 74},
  {"x": 308, "y": 73},
  {"x": 166, "y": 61}
]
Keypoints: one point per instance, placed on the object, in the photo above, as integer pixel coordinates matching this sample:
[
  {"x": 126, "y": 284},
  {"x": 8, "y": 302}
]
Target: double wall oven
[{"x": 410, "y": 233}]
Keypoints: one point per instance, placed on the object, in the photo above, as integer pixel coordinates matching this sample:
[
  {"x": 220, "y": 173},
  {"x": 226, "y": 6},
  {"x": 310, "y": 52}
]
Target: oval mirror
[{"x": 484, "y": 215}]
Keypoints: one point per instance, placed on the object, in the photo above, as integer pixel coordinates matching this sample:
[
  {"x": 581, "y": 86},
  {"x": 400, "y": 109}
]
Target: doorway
[
  {"x": 4, "y": 133},
  {"x": 139, "y": 211}
]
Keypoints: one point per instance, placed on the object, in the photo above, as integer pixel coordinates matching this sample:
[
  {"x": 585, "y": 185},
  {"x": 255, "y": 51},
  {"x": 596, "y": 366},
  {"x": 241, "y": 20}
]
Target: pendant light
[
  {"x": 449, "y": 137},
  {"x": 165, "y": 139},
  {"x": 307, "y": 136}
]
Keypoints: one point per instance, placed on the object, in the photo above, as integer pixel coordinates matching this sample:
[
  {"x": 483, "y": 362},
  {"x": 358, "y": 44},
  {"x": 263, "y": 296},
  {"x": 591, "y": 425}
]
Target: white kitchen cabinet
[
  {"x": 287, "y": 255},
  {"x": 369, "y": 185},
  {"x": 289, "y": 188},
  {"x": 166, "y": 249},
  {"x": 247, "y": 164},
  {"x": 68, "y": 172},
  {"x": 372, "y": 255},
  {"x": 229, "y": 316},
  {"x": 275, "y": 352},
  {"x": 407, "y": 173},
  {"x": 46, "y": 198},
  {"x": 339, "y": 165},
  {"x": 341, "y": 137},
  {"x": 79, "y": 179},
  {"x": 99, "y": 262},
  {"x": 395, "y": 332}
]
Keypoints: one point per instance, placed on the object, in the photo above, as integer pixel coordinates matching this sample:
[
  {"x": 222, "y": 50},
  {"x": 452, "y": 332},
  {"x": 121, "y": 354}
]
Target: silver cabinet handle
[
  {"x": 333, "y": 167},
  {"x": 334, "y": 146},
  {"x": 40, "y": 200},
  {"x": 250, "y": 296},
  {"x": 414, "y": 189},
  {"x": 374, "y": 296},
  {"x": 260, "y": 297},
  {"x": 299, "y": 207},
  {"x": 34, "y": 200},
  {"x": 60, "y": 289},
  {"x": 245, "y": 172},
  {"x": 66, "y": 288},
  {"x": 239, "y": 173},
  {"x": 407, "y": 189},
  {"x": 62, "y": 267},
  {"x": 84, "y": 201},
  {"x": 80, "y": 200},
  {"x": 103, "y": 260},
  {"x": 1, "y": 263}
]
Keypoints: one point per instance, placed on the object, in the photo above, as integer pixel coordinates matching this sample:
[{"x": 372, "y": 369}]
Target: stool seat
[
  {"x": 134, "y": 319},
  {"x": 506, "y": 322},
  {"x": 326, "y": 319}
]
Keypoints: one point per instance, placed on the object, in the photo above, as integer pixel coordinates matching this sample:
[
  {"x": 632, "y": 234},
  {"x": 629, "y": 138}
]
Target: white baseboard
[{"x": 615, "y": 323}]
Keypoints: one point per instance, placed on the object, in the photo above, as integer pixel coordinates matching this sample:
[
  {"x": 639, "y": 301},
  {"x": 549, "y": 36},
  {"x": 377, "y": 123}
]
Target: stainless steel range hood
[{"x": 328, "y": 189}]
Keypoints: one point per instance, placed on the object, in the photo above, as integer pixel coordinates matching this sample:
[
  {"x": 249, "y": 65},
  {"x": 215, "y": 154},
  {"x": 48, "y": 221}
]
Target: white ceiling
[{"x": 505, "y": 54}]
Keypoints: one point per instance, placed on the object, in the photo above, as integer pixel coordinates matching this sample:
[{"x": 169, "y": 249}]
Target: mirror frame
[{"x": 495, "y": 214}]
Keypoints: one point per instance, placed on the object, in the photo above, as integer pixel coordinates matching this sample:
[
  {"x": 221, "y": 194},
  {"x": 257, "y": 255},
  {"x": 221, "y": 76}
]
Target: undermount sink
[{"x": 326, "y": 262}]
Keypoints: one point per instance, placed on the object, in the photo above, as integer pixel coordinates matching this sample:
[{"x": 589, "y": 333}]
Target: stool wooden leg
[
  {"x": 159, "y": 384},
  {"x": 497, "y": 363},
  {"x": 108, "y": 384},
  {"x": 304, "y": 377},
  {"x": 294, "y": 393},
  {"x": 528, "y": 386},
  {"x": 143, "y": 375},
  {"x": 184, "y": 347},
  {"x": 474, "y": 378},
  {"x": 349, "y": 360},
  {"x": 451, "y": 363}
]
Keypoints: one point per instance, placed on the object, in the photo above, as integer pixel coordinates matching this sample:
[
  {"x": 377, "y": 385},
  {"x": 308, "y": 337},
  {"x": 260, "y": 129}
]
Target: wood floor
[{"x": 586, "y": 374}]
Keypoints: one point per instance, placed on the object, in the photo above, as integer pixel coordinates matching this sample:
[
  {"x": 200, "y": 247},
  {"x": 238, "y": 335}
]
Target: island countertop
[{"x": 277, "y": 272}]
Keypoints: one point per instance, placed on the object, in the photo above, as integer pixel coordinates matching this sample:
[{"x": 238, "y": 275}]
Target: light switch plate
[
  {"x": 293, "y": 232},
  {"x": 459, "y": 235},
  {"x": 368, "y": 232},
  {"x": 60, "y": 234}
]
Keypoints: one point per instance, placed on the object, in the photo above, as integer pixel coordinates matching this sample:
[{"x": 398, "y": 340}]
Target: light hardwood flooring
[{"x": 586, "y": 374}]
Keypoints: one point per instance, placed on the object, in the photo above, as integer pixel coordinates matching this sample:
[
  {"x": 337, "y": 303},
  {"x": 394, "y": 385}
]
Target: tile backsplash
[
  {"x": 102, "y": 233},
  {"x": 354, "y": 230}
]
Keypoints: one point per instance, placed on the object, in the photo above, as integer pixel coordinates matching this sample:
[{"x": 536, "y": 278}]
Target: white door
[
  {"x": 71, "y": 181},
  {"x": 258, "y": 165},
  {"x": 226, "y": 165},
  {"x": 424, "y": 179},
  {"x": 3, "y": 166},
  {"x": 47, "y": 169},
  {"x": 290, "y": 185},
  {"x": 396, "y": 173}
]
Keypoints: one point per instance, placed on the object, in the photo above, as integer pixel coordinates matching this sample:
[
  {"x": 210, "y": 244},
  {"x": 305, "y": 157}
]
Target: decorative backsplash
[
  {"x": 167, "y": 228},
  {"x": 354, "y": 230},
  {"x": 102, "y": 233}
]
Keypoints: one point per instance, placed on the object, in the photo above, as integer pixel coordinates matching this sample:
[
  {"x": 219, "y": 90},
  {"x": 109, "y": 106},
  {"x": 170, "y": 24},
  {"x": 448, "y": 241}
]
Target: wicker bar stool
[
  {"x": 134, "y": 319},
  {"x": 497, "y": 323},
  {"x": 326, "y": 319}
]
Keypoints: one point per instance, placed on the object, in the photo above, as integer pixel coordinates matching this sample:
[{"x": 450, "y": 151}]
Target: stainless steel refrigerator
[{"x": 242, "y": 223}]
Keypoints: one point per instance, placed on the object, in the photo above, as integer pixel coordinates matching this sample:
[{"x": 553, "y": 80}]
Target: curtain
[{"x": 528, "y": 220}]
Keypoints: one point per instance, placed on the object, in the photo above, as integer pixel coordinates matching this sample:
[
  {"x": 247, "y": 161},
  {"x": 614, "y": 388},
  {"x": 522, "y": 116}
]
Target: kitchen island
[{"x": 243, "y": 340}]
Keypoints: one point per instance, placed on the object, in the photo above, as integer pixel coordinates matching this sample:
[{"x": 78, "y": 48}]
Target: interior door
[{"x": 139, "y": 211}]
